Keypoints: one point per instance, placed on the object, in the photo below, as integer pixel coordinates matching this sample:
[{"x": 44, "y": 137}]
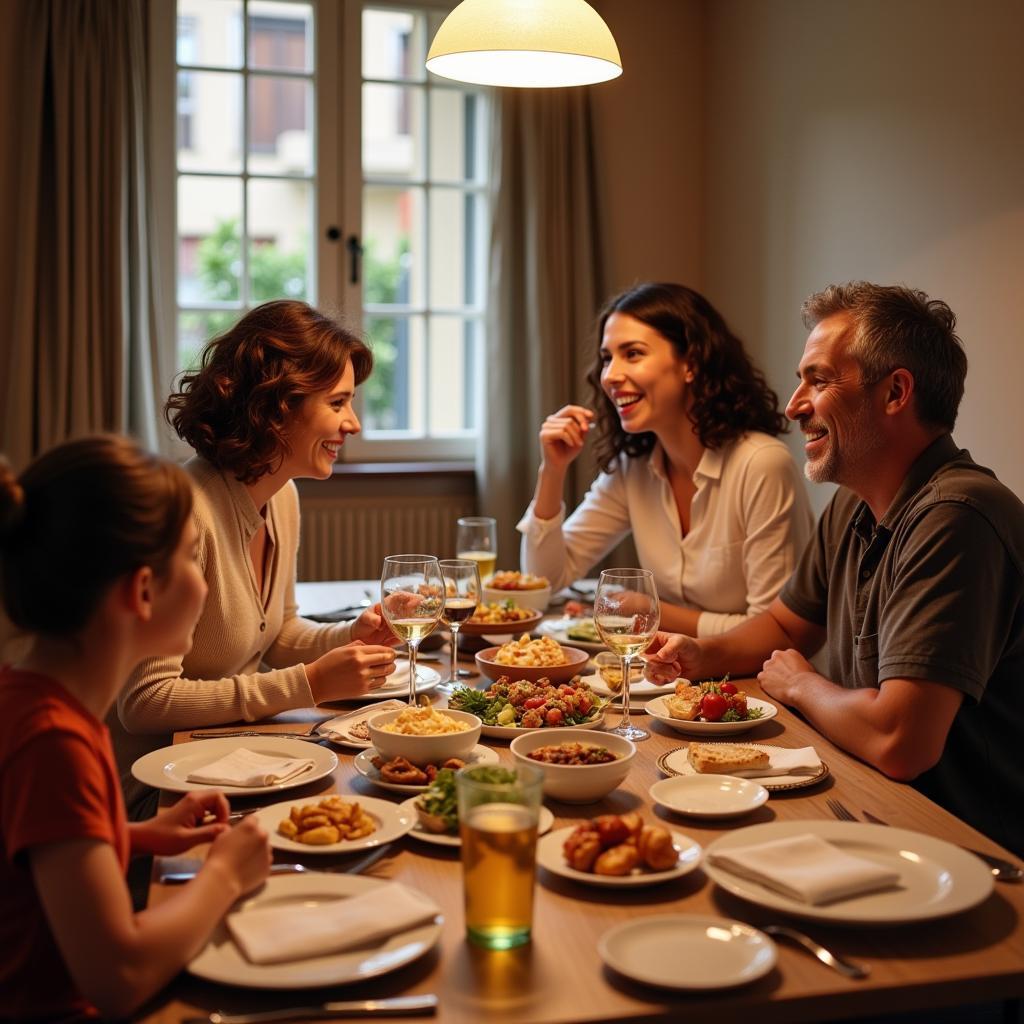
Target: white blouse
[{"x": 749, "y": 522}]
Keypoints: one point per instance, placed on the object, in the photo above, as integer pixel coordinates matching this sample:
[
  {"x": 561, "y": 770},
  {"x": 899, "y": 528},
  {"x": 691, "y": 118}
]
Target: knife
[
  {"x": 399, "y": 1006},
  {"x": 225, "y": 733},
  {"x": 356, "y": 867}
]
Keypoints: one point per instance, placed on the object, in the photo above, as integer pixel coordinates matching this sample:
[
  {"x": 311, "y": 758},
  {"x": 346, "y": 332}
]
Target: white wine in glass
[
  {"x": 627, "y": 614},
  {"x": 476, "y": 540},
  {"x": 462, "y": 592},
  {"x": 411, "y": 598}
]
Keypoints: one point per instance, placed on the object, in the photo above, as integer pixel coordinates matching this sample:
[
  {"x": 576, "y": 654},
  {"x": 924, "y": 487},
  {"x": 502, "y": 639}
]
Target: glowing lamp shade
[{"x": 532, "y": 44}]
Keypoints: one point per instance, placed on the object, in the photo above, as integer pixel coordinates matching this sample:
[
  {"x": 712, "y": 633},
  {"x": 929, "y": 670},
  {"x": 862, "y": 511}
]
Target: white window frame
[{"x": 337, "y": 204}]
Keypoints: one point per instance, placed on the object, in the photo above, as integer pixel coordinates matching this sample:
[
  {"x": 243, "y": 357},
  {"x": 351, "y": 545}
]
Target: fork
[
  {"x": 840, "y": 810},
  {"x": 845, "y": 966}
]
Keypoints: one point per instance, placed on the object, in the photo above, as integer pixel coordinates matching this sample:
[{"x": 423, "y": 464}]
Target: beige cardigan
[{"x": 248, "y": 649}]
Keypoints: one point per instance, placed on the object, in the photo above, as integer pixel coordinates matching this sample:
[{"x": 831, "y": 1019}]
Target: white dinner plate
[
  {"x": 677, "y": 762},
  {"x": 397, "y": 684},
  {"x": 392, "y": 823},
  {"x": 557, "y": 630},
  {"x": 339, "y": 731},
  {"x": 549, "y": 855},
  {"x": 169, "y": 767},
  {"x": 656, "y": 709},
  {"x": 687, "y": 951},
  {"x": 222, "y": 961},
  {"x": 936, "y": 877},
  {"x": 642, "y": 689},
  {"x": 510, "y": 732},
  {"x": 709, "y": 796},
  {"x": 363, "y": 763},
  {"x": 545, "y": 819}
]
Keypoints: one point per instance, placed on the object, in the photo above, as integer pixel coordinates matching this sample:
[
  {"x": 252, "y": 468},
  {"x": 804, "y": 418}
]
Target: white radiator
[{"x": 347, "y": 539}]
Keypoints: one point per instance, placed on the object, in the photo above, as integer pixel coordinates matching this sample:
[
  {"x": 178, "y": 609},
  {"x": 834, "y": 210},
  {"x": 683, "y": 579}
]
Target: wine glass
[
  {"x": 411, "y": 598},
  {"x": 476, "y": 539},
  {"x": 626, "y": 613},
  {"x": 462, "y": 592}
]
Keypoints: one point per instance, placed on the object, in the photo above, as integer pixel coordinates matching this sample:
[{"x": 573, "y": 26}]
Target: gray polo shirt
[{"x": 934, "y": 591}]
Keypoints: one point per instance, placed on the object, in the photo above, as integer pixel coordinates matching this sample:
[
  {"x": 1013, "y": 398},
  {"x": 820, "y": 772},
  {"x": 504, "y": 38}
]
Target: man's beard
[{"x": 840, "y": 465}]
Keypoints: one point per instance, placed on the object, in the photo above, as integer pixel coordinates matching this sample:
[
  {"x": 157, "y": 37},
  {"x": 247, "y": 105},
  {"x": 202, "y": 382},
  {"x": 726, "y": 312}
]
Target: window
[{"x": 341, "y": 175}]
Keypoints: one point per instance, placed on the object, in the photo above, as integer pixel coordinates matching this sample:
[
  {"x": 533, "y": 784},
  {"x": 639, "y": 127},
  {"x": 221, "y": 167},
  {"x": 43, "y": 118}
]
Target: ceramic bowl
[
  {"x": 574, "y": 666},
  {"x": 422, "y": 750},
  {"x": 577, "y": 784}
]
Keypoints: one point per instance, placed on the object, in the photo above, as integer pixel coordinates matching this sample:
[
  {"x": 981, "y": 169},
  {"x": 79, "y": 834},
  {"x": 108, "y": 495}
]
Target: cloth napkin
[
  {"x": 273, "y": 935},
  {"x": 243, "y": 767},
  {"x": 807, "y": 868},
  {"x": 785, "y": 761},
  {"x": 338, "y": 728}
]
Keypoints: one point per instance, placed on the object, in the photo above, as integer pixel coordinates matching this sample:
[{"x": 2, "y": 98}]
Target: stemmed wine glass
[
  {"x": 411, "y": 598},
  {"x": 462, "y": 592},
  {"x": 627, "y": 613},
  {"x": 476, "y": 539}
]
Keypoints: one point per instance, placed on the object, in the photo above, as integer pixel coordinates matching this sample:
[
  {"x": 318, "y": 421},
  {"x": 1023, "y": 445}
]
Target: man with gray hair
[{"x": 915, "y": 574}]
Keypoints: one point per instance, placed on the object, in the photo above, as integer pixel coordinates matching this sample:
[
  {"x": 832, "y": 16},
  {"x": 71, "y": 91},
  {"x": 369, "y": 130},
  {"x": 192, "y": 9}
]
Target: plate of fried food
[
  {"x": 402, "y": 776},
  {"x": 710, "y": 708},
  {"x": 618, "y": 850},
  {"x": 499, "y": 618},
  {"x": 333, "y": 824}
]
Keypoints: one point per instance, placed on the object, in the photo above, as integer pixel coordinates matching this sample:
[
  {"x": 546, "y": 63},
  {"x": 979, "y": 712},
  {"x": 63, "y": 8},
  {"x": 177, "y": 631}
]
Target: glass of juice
[
  {"x": 498, "y": 810},
  {"x": 476, "y": 538}
]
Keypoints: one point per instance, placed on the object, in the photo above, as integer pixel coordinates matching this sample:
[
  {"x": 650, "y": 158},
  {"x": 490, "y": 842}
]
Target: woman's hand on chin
[{"x": 371, "y": 628}]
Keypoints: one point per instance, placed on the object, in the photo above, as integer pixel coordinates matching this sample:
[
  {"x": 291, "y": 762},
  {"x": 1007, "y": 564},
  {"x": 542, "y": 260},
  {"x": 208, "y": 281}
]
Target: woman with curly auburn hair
[
  {"x": 687, "y": 441},
  {"x": 270, "y": 402}
]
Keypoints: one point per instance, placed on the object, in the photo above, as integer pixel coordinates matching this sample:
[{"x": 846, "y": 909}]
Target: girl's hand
[
  {"x": 349, "y": 671},
  {"x": 562, "y": 435},
  {"x": 242, "y": 853},
  {"x": 198, "y": 817},
  {"x": 371, "y": 628}
]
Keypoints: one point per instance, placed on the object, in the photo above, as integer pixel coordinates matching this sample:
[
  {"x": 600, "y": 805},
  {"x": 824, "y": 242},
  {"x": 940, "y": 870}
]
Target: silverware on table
[
  {"x": 398, "y": 1006},
  {"x": 1002, "y": 870},
  {"x": 848, "y": 968},
  {"x": 220, "y": 734},
  {"x": 352, "y": 868}
]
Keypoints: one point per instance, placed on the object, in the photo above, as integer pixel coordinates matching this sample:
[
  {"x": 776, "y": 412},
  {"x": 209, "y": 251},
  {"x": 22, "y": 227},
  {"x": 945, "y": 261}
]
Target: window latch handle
[{"x": 355, "y": 252}]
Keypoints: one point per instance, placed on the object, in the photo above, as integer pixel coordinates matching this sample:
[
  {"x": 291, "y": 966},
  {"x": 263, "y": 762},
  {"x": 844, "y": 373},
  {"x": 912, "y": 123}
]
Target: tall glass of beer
[{"x": 498, "y": 810}]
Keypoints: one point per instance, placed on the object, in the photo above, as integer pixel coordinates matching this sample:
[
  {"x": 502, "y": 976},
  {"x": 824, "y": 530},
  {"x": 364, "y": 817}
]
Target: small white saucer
[
  {"x": 708, "y": 796},
  {"x": 683, "y": 951}
]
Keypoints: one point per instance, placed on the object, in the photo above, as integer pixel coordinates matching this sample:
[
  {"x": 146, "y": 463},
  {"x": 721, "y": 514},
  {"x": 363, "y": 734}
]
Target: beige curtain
[
  {"x": 80, "y": 353},
  {"x": 545, "y": 290}
]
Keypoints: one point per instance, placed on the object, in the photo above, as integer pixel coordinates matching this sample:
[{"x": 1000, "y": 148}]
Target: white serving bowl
[
  {"x": 537, "y": 598},
  {"x": 422, "y": 750},
  {"x": 583, "y": 783}
]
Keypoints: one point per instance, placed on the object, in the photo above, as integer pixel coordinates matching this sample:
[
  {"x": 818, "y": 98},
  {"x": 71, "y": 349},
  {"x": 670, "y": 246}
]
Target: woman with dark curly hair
[
  {"x": 271, "y": 401},
  {"x": 687, "y": 441}
]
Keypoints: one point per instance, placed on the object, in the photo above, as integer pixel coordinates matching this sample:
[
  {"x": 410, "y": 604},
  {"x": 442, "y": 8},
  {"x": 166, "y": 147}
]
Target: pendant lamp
[{"x": 533, "y": 44}]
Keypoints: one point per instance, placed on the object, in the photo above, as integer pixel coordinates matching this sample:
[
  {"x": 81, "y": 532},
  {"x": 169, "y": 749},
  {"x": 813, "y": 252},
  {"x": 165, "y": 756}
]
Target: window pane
[
  {"x": 449, "y": 233},
  {"x": 280, "y": 36},
  {"x": 280, "y": 218},
  {"x": 454, "y": 128},
  {"x": 209, "y": 121},
  {"x": 210, "y": 33},
  {"x": 280, "y": 113},
  {"x": 451, "y": 368},
  {"x": 209, "y": 239},
  {"x": 394, "y": 44},
  {"x": 393, "y": 394},
  {"x": 195, "y": 329},
  {"x": 393, "y": 245},
  {"x": 392, "y": 130}
]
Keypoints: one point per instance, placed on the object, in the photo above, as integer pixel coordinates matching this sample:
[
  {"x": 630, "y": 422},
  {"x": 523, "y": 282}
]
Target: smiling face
[
  {"x": 643, "y": 376},
  {"x": 839, "y": 417},
  {"x": 319, "y": 428}
]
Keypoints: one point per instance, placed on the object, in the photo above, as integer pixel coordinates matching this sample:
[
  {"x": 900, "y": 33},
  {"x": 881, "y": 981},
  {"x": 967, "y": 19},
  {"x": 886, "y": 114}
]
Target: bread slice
[
  {"x": 681, "y": 708},
  {"x": 722, "y": 758},
  {"x": 688, "y": 692}
]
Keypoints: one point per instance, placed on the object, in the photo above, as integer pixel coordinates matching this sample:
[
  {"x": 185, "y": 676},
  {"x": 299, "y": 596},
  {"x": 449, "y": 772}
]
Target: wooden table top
[{"x": 972, "y": 957}]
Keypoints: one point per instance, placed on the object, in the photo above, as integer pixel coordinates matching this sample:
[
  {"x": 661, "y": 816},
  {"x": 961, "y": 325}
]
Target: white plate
[
  {"x": 677, "y": 762},
  {"x": 936, "y": 877},
  {"x": 509, "y": 732},
  {"x": 688, "y": 952},
  {"x": 221, "y": 960},
  {"x": 656, "y": 709},
  {"x": 556, "y": 628},
  {"x": 169, "y": 767},
  {"x": 397, "y": 684},
  {"x": 363, "y": 763},
  {"x": 392, "y": 823},
  {"x": 642, "y": 689},
  {"x": 340, "y": 736},
  {"x": 549, "y": 855},
  {"x": 709, "y": 796},
  {"x": 545, "y": 820}
]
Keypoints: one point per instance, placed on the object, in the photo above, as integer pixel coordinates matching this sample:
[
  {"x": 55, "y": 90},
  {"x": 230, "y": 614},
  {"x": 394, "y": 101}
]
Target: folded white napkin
[
  {"x": 273, "y": 935},
  {"x": 793, "y": 761},
  {"x": 805, "y": 867},
  {"x": 338, "y": 728},
  {"x": 244, "y": 767}
]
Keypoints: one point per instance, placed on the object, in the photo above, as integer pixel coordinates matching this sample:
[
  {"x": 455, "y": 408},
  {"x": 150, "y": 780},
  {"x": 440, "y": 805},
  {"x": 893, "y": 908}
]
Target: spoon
[{"x": 826, "y": 956}]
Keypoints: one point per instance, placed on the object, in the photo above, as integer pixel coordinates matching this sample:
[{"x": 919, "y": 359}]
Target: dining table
[{"x": 973, "y": 956}]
